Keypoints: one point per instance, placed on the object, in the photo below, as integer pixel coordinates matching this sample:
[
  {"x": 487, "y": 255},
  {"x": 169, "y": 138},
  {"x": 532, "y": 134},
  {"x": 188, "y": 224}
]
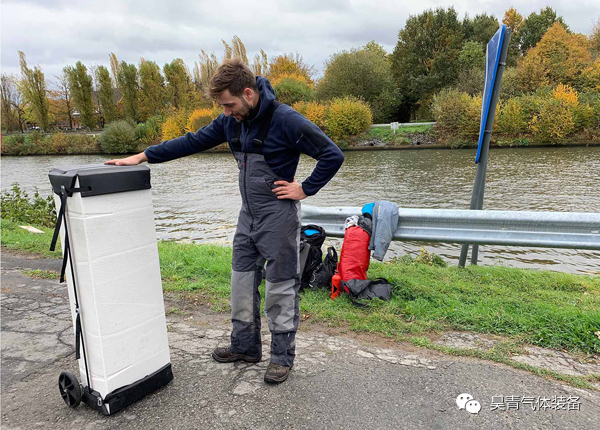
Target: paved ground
[{"x": 339, "y": 381}]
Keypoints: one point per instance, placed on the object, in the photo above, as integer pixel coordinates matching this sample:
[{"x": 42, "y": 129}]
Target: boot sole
[{"x": 245, "y": 358}]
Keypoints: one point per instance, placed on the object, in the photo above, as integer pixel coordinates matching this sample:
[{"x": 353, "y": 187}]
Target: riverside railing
[{"x": 483, "y": 227}]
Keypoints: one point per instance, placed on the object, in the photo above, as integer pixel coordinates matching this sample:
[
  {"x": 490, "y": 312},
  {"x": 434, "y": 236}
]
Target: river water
[{"x": 197, "y": 198}]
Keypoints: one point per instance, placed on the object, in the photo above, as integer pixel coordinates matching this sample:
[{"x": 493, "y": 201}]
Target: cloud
[{"x": 55, "y": 33}]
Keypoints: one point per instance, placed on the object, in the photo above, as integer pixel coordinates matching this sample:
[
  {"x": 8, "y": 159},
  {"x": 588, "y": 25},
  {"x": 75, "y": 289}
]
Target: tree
[
  {"x": 128, "y": 83},
  {"x": 595, "y": 39},
  {"x": 471, "y": 55},
  {"x": 235, "y": 50},
  {"x": 95, "y": 94},
  {"x": 260, "y": 66},
  {"x": 425, "y": 57},
  {"x": 33, "y": 88},
  {"x": 152, "y": 92},
  {"x": 204, "y": 70},
  {"x": 179, "y": 84},
  {"x": 80, "y": 85},
  {"x": 115, "y": 68},
  {"x": 559, "y": 57},
  {"x": 62, "y": 82},
  {"x": 536, "y": 25},
  {"x": 106, "y": 94},
  {"x": 514, "y": 21},
  {"x": 290, "y": 66},
  {"x": 7, "y": 90},
  {"x": 362, "y": 73},
  {"x": 480, "y": 29}
]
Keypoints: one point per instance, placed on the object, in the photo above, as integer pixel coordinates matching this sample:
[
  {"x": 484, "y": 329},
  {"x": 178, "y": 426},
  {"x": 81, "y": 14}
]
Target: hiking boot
[
  {"x": 224, "y": 355},
  {"x": 277, "y": 373}
]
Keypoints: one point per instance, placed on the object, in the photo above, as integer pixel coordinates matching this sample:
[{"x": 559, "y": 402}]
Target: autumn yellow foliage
[
  {"x": 559, "y": 57},
  {"x": 198, "y": 119},
  {"x": 347, "y": 117},
  {"x": 294, "y": 75},
  {"x": 566, "y": 94},
  {"x": 174, "y": 126},
  {"x": 313, "y": 111}
]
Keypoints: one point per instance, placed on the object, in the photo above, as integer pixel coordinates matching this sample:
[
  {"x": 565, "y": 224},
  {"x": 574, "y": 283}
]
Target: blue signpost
[{"x": 495, "y": 62}]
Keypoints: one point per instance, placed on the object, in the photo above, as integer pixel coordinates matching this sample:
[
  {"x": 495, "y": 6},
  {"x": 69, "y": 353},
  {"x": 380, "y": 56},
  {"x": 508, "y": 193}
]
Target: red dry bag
[{"x": 354, "y": 258}]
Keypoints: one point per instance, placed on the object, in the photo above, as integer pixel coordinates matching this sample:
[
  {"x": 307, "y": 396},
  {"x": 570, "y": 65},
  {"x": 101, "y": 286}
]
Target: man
[{"x": 266, "y": 138}]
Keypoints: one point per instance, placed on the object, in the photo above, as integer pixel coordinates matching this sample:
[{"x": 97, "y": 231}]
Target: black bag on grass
[
  {"x": 321, "y": 277},
  {"x": 311, "y": 256},
  {"x": 379, "y": 288}
]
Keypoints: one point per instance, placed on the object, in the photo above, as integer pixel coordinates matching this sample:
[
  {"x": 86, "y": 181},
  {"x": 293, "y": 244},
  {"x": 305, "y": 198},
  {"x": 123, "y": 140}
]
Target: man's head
[{"x": 234, "y": 88}]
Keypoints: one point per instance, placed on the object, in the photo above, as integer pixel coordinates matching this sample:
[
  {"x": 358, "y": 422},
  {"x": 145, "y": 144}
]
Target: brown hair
[{"x": 232, "y": 75}]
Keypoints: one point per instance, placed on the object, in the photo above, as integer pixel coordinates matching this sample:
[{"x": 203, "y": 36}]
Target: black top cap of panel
[{"x": 97, "y": 179}]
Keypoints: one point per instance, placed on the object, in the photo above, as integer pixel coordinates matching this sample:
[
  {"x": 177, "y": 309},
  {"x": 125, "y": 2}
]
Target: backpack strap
[
  {"x": 263, "y": 130},
  {"x": 235, "y": 143}
]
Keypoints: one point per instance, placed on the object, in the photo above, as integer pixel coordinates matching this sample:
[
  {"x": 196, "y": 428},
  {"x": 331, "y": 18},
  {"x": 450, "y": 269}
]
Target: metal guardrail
[
  {"x": 395, "y": 125},
  {"x": 536, "y": 229}
]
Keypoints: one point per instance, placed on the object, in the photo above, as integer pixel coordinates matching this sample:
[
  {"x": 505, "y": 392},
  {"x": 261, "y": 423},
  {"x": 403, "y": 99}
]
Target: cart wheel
[{"x": 69, "y": 388}]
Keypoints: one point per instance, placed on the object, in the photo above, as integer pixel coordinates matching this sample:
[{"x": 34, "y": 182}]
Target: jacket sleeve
[
  {"x": 310, "y": 140},
  {"x": 190, "y": 143}
]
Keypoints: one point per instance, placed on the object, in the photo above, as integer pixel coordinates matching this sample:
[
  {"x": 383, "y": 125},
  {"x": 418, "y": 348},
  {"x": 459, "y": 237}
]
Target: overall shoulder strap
[
  {"x": 265, "y": 124},
  {"x": 235, "y": 143}
]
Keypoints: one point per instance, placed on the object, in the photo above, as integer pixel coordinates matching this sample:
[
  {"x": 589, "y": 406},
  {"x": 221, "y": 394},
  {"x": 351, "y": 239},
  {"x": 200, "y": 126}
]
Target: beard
[{"x": 245, "y": 112}]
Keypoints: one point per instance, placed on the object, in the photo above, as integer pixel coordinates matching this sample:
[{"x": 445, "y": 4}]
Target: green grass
[
  {"x": 548, "y": 309},
  {"x": 387, "y": 134},
  {"x": 41, "y": 274},
  {"x": 18, "y": 239}
]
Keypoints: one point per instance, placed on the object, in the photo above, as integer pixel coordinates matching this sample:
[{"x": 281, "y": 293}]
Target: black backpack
[
  {"x": 311, "y": 255},
  {"x": 321, "y": 277}
]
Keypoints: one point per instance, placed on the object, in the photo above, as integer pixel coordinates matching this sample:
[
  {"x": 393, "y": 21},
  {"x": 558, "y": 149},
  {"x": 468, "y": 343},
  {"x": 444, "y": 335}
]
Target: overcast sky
[{"x": 55, "y": 33}]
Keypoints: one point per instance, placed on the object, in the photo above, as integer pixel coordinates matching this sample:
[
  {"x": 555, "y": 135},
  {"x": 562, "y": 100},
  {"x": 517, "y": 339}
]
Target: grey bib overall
[{"x": 268, "y": 230}]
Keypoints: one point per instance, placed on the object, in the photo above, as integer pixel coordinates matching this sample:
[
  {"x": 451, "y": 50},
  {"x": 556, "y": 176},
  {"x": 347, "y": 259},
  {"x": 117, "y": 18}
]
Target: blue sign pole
[{"x": 495, "y": 62}]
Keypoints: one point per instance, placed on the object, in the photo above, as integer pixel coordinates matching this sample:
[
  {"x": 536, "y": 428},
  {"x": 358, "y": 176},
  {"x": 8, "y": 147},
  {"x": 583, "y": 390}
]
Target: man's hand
[
  {"x": 289, "y": 190},
  {"x": 134, "y": 160}
]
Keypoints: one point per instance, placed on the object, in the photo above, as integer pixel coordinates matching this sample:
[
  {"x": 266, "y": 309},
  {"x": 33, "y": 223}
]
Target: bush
[
  {"x": 553, "y": 123},
  {"x": 291, "y": 90},
  {"x": 198, "y": 119},
  {"x": 174, "y": 126},
  {"x": 347, "y": 117},
  {"x": 119, "y": 137},
  {"x": 17, "y": 207},
  {"x": 457, "y": 113},
  {"x": 511, "y": 118},
  {"x": 149, "y": 132},
  {"x": 11, "y": 145},
  {"x": 313, "y": 111}
]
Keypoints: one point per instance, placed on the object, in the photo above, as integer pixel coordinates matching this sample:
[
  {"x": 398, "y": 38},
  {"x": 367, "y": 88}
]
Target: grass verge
[{"x": 548, "y": 309}]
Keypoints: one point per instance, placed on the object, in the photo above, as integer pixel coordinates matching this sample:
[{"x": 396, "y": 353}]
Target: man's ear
[{"x": 248, "y": 94}]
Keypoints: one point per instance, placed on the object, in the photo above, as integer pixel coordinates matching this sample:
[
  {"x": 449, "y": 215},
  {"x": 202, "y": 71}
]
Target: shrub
[
  {"x": 313, "y": 111},
  {"x": 511, "y": 118},
  {"x": 12, "y": 145},
  {"x": 83, "y": 144},
  {"x": 174, "y": 126},
  {"x": 17, "y": 206},
  {"x": 119, "y": 137},
  {"x": 553, "y": 123},
  {"x": 583, "y": 116},
  {"x": 290, "y": 91},
  {"x": 149, "y": 132},
  {"x": 347, "y": 117},
  {"x": 198, "y": 119},
  {"x": 457, "y": 113}
]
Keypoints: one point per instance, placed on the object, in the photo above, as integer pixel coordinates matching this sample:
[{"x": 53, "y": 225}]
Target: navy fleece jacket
[{"x": 289, "y": 135}]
